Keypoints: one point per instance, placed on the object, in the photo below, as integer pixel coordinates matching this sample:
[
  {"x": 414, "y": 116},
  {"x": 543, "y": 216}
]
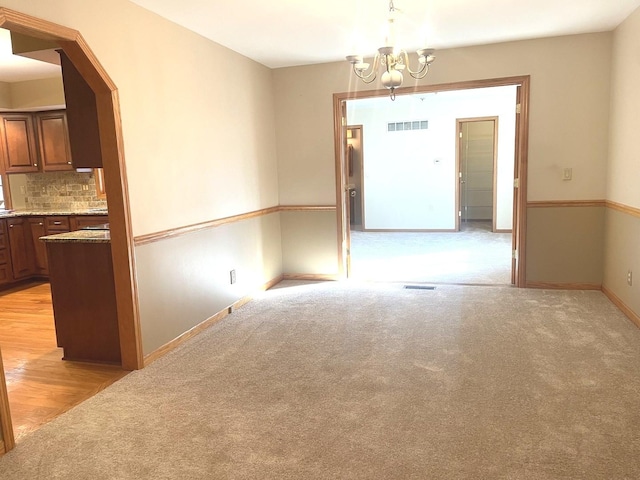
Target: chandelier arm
[
  {"x": 373, "y": 72},
  {"x": 368, "y": 78},
  {"x": 421, "y": 73}
]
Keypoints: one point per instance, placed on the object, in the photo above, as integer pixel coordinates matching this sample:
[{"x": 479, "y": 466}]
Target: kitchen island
[{"x": 83, "y": 295}]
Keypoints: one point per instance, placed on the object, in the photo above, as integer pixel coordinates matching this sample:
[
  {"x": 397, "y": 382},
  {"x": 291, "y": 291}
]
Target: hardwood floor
[{"x": 41, "y": 386}]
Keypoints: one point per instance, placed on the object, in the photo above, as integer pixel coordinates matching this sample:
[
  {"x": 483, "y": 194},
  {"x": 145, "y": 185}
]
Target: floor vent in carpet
[{"x": 419, "y": 287}]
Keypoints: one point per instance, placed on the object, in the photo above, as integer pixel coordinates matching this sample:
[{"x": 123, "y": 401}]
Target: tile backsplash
[{"x": 56, "y": 191}]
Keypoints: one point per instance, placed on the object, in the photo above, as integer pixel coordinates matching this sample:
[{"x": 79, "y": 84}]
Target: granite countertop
[
  {"x": 44, "y": 213},
  {"x": 85, "y": 236},
  {"x": 80, "y": 236}
]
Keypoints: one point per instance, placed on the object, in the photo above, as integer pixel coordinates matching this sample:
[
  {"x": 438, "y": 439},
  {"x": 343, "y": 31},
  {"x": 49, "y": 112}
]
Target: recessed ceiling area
[
  {"x": 284, "y": 33},
  {"x": 15, "y": 68}
]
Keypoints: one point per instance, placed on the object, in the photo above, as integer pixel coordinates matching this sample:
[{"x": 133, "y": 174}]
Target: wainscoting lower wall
[
  {"x": 184, "y": 275},
  {"x": 184, "y": 279},
  {"x": 588, "y": 245},
  {"x": 309, "y": 243},
  {"x": 565, "y": 244},
  {"x": 622, "y": 254}
]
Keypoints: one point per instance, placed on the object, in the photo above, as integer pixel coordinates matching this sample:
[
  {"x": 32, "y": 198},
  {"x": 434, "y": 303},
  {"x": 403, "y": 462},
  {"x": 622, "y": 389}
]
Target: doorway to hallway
[
  {"x": 438, "y": 202},
  {"x": 477, "y": 155}
]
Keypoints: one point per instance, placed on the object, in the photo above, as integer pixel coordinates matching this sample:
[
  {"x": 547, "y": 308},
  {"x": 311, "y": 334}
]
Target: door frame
[
  {"x": 459, "y": 122},
  {"x": 112, "y": 149},
  {"x": 523, "y": 83}
]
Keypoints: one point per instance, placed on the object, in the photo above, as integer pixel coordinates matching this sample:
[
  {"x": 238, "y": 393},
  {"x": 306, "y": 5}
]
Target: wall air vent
[
  {"x": 403, "y": 126},
  {"x": 419, "y": 287}
]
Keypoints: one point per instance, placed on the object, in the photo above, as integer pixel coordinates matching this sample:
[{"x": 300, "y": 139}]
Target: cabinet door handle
[
  {"x": 68, "y": 163},
  {"x": 10, "y": 226},
  {"x": 41, "y": 224},
  {"x": 35, "y": 164},
  {"x": 57, "y": 223}
]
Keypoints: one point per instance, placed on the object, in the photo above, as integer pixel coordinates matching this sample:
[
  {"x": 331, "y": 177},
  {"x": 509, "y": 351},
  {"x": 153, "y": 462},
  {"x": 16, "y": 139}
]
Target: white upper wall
[
  {"x": 624, "y": 153},
  {"x": 410, "y": 177},
  {"x": 198, "y": 119}
]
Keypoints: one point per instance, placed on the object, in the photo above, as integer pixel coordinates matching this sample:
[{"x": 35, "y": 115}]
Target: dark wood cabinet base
[{"x": 84, "y": 301}]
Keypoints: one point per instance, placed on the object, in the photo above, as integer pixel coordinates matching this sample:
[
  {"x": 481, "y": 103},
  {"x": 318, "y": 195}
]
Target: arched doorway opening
[{"x": 112, "y": 152}]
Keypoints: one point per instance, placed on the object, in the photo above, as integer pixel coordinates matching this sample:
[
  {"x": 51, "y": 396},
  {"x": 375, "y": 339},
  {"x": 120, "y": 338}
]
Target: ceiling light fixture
[{"x": 394, "y": 60}]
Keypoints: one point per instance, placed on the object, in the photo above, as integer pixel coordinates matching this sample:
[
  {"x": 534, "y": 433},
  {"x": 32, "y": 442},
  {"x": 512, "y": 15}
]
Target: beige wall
[
  {"x": 622, "y": 230},
  {"x": 622, "y": 184},
  {"x": 5, "y": 95},
  {"x": 568, "y": 118},
  {"x": 569, "y": 113},
  {"x": 34, "y": 94}
]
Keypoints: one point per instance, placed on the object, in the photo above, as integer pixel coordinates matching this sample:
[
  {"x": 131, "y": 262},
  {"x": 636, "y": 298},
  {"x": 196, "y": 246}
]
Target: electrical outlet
[
  {"x": 232, "y": 276},
  {"x": 630, "y": 278}
]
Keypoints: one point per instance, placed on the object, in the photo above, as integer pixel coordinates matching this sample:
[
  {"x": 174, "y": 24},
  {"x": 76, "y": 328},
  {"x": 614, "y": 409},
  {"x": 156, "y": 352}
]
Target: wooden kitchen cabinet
[
  {"x": 18, "y": 143},
  {"x": 35, "y": 142},
  {"x": 23, "y": 254},
  {"x": 20, "y": 246},
  {"x": 57, "y": 224},
  {"x": 53, "y": 141},
  {"x": 80, "y": 221},
  {"x": 37, "y": 229},
  {"x": 6, "y": 275}
]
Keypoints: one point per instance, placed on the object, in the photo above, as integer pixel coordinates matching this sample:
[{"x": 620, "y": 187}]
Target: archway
[{"x": 112, "y": 149}]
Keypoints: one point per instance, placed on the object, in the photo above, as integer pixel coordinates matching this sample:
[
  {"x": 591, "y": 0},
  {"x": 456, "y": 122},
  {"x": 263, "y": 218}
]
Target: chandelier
[{"x": 392, "y": 59}]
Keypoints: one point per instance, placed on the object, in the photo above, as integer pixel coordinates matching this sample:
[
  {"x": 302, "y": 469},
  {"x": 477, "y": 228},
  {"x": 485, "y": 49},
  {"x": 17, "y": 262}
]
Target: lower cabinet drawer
[{"x": 57, "y": 224}]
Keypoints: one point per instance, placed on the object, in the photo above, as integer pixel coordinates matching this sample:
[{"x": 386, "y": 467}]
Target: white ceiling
[{"x": 280, "y": 33}]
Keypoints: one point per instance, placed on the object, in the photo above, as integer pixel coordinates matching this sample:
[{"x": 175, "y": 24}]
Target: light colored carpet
[
  {"x": 475, "y": 255},
  {"x": 369, "y": 381}
]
